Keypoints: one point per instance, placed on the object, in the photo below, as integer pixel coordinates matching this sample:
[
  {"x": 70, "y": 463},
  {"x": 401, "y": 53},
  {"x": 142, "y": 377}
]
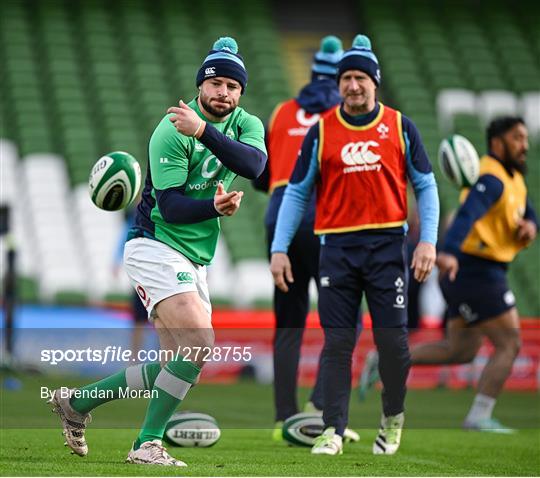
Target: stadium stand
[
  {"x": 59, "y": 260},
  {"x": 81, "y": 78},
  {"x": 100, "y": 233},
  {"x": 10, "y": 171}
]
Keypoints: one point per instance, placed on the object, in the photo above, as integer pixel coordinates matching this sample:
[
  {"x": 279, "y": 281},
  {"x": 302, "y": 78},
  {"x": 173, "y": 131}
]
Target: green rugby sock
[
  {"x": 139, "y": 377},
  {"x": 171, "y": 386}
]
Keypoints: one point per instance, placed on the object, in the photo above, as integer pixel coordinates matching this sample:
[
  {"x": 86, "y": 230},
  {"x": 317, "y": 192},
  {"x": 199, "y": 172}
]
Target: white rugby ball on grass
[
  {"x": 189, "y": 429},
  {"x": 303, "y": 428}
]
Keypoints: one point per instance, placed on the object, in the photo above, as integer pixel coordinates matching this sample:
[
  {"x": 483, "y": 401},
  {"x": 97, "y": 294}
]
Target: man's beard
[
  {"x": 514, "y": 163},
  {"x": 360, "y": 108},
  {"x": 215, "y": 112}
]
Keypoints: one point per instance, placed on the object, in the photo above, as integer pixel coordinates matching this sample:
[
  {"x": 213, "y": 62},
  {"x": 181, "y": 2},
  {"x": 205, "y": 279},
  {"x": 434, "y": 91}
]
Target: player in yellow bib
[{"x": 495, "y": 221}]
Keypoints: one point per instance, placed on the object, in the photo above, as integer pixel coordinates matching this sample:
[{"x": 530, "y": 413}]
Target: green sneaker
[
  {"x": 491, "y": 425},
  {"x": 389, "y": 437},
  {"x": 277, "y": 433},
  {"x": 329, "y": 443},
  {"x": 370, "y": 374}
]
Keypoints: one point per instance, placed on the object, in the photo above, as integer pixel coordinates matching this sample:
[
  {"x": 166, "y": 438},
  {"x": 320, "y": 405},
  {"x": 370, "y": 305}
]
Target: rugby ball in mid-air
[
  {"x": 114, "y": 181},
  {"x": 459, "y": 161},
  {"x": 189, "y": 429},
  {"x": 302, "y": 429}
]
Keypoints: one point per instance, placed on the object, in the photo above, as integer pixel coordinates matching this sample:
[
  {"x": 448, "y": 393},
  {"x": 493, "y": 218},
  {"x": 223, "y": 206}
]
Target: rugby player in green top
[{"x": 195, "y": 153}]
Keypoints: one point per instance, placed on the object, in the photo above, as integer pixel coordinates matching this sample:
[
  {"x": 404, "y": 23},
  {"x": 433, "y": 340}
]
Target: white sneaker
[
  {"x": 329, "y": 443},
  {"x": 349, "y": 435},
  {"x": 488, "y": 425},
  {"x": 152, "y": 453},
  {"x": 73, "y": 422},
  {"x": 389, "y": 437}
]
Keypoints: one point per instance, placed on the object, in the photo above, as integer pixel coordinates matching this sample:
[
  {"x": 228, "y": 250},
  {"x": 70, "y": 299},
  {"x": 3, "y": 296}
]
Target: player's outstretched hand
[
  {"x": 227, "y": 203},
  {"x": 423, "y": 260},
  {"x": 186, "y": 121},
  {"x": 447, "y": 264},
  {"x": 526, "y": 231},
  {"x": 281, "y": 269}
]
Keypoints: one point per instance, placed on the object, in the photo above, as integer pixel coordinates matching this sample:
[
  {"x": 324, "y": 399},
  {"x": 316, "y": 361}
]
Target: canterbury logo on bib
[{"x": 361, "y": 154}]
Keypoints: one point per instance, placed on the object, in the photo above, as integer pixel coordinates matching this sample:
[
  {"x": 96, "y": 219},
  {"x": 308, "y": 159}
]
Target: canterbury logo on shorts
[{"x": 184, "y": 278}]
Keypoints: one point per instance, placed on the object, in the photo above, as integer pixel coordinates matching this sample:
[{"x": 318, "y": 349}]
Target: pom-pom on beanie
[{"x": 326, "y": 59}]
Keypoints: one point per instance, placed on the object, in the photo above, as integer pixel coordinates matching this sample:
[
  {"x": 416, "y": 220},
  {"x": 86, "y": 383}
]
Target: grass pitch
[{"x": 432, "y": 444}]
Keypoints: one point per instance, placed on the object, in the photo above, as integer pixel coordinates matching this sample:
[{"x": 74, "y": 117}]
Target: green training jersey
[{"x": 176, "y": 160}]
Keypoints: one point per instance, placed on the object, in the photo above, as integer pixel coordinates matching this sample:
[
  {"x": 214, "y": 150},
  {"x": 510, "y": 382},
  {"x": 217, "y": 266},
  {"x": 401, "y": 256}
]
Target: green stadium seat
[
  {"x": 21, "y": 66},
  {"x": 486, "y": 68},
  {"x": 416, "y": 108},
  {"x": 23, "y": 118},
  {"x": 18, "y": 51},
  {"x": 526, "y": 83},
  {"x": 74, "y": 94},
  {"x": 442, "y": 82},
  {"x": 107, "y": 82},
  {"x": 59, "y": 82},
  {"x": 470, "y": 126},
  {"x": 435, "y": 53},
  {"x": 19, "y": 83},
  {"x": 405, "y": 80},
  {"x": 482, "y": 82},
  {"x": 400, "y": 66},
  {"x": 27, "y": 289},
  {"x": 414, "y": 93},
  {"x": 37, "y": 144},
  {"x": 64, "y": 65}
]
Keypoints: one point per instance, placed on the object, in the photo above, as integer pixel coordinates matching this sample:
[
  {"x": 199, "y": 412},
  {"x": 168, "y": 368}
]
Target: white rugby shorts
[{"x": 157, "y": 271}]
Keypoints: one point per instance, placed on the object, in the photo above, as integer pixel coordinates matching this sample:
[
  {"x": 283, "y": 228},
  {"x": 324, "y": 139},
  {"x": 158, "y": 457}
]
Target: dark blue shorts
[
  {"x": 377, "y": 268},
  {"x": 476, "y": 299}
]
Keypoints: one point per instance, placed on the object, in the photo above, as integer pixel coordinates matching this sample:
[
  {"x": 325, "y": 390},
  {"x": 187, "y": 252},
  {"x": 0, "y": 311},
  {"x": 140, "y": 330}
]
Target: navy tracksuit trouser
[
  {"x": 378, "y": 268},
  {"x": 291, "y": 310}
]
